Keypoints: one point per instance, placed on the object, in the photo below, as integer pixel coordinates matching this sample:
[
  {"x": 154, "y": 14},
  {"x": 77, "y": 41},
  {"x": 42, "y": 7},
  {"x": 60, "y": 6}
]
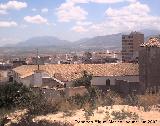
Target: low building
[
  {"x": 17, "y": 63},
  {"x": 104, "y": 75}
]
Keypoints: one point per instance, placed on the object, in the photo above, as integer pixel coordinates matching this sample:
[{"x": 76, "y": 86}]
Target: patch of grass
[
  {"x": 100, "y": 111},
  {"x": 107, "y": 115},
  {"x": 148, "y": 101},
  {"x": 121, "y": 115},
  {"x": 88, "y": 111},
  {"x": 68, "y": 113}
]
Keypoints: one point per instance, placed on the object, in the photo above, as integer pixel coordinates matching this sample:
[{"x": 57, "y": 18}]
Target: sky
[{"x": 74, "y": 19}]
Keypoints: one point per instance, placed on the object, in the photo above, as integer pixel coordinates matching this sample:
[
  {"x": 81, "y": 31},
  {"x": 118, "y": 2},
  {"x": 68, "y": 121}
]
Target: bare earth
[{"x": 99, "y": 114}]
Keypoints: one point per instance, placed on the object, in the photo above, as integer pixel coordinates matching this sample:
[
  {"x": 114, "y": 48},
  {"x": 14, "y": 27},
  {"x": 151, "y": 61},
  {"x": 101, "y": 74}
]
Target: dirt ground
[{"x": 152, "y": 118}]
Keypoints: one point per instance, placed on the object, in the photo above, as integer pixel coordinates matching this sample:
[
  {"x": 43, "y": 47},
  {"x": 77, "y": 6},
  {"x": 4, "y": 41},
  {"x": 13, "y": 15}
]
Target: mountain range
[{"x": 98, "y": 42}]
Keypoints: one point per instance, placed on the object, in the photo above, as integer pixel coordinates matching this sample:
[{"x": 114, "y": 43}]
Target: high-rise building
[
  {"x": 149, "y": 65},
  {"x": 130, "y": 46}
]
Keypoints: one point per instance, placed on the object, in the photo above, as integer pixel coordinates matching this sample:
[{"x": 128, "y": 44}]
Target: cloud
[
  {"x": 37, "y": 19},
  {"x": 3, "y": 12},
  {"x": 134, "y": 16},
  {"x": 4, "y": 24},
  {"x": 137, "y": 9},
  {"x": 79, "y": 29},
  {"x": 84, "y": 23},
  {"x": 8, "y": 40},
  {"x": 13, "y": 5},
  {"x": 44, "y": 10},
  {"x": 69, "y": 12},
  {"x": 100, "y": 1},
  {"x": 34, "y": 9}
]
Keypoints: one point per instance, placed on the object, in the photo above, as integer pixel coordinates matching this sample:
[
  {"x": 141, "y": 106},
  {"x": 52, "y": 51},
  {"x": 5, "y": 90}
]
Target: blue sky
[{"x": 74, "y": 19}]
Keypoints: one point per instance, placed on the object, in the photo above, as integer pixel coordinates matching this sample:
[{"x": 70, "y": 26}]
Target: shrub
[
  {"x": 107, "y": 115},
  {"x": 27, "y": 121},
  {"x": 13, "y": 94},
  {"x": 131, "y": 100},
  {"x": 85, "y": 80},
  {"x": 88, "y": 111},
  {"x": 69, "y": 113},
  {"x": 110, "y": 98},
  {"x": 147, "y": 101},
  {"x": 121, "y": 115},
  {"x": 4, "y": 121},
  {"x": 78, "y": 100},
  {"x": 40, "y": 105}
]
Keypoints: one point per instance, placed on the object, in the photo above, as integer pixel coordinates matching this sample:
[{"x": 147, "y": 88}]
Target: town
[
  {"x": 79, "y": 63},
  {"x": 124, "y": 71}
]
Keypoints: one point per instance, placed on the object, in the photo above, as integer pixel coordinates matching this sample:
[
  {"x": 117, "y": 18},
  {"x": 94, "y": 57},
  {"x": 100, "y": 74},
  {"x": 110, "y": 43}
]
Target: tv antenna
[{"x": 38, "y": 58}]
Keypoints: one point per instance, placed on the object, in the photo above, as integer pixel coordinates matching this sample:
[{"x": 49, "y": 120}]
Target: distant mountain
[
  {"x": 43, "y": 41},
  {"x": 98, "y": 42},
  {"x": 107, "y": 41},
  {"x": 111, "y": 41},
  {"x": 149, "y": 32}
]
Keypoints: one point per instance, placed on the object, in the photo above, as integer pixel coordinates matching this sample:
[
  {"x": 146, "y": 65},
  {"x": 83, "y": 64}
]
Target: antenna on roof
[{"x": 38, "y": 58}]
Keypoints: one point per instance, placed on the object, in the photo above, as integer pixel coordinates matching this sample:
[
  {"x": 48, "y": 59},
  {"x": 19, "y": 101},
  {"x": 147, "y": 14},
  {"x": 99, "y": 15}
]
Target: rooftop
[
  {"x": 152, "y": 42},
  {"x": 68, "y": 72}
]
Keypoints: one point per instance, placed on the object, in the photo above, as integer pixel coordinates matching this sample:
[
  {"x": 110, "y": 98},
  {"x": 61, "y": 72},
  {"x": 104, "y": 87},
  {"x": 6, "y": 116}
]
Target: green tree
[
  {"x": 12, "y": 94},
  {"x": 85, "y": 80}
]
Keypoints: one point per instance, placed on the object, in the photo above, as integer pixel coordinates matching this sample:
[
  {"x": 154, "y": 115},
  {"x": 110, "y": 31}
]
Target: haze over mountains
[{"x": 106, "y": 42}]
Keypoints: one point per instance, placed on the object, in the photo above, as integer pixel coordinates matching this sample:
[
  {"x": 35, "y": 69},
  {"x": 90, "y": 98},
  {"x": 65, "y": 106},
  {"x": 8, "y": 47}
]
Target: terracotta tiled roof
[
  {"x": 152, "y": 42},
  {"x": 67, "y": 72}
]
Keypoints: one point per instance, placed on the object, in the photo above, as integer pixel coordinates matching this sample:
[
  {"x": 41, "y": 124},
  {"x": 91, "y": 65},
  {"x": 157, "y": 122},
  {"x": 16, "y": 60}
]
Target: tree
[
  {"x": 85, "y": 80},
  {"x": 87, "y": 57},
  {"x": 12, "y": 94}
]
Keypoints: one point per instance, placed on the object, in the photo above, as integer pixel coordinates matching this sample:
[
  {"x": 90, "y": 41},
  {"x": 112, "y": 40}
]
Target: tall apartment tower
[{"x": 130, "y": 46}]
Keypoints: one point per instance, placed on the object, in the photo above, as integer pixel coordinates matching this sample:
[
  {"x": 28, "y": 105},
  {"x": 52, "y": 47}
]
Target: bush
[
  {"x": 91, "y": 97},
  {"x": 131, "y": 100},
  {"x": 110, "y": 98},
  {"x": 88, "y": 111},
  {"x": 13, "y": 94},
  {"x": 40, "y": 105},
  {"x": 147, "y": 101},
  {"x": 4, "y": 121},
  {"x": 121, "y": 115},
  {"x": 27, "y": 121},
  {"x": 107, "y": 115},
  {"x": 85, "y": 80}
]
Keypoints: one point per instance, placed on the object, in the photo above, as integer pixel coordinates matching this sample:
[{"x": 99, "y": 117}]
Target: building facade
[
  {"x": 130, "y": 46},
  {"x": 149, "y": 65}
]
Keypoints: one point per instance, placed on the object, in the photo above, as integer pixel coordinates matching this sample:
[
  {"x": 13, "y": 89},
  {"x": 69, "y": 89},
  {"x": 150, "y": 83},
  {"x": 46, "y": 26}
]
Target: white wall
[
  {"x": 4, "y": 75},
  {"x": 102, "y": 80},
  {"x": 37, "y": 79},
  {"x": 27, "y": 81}
]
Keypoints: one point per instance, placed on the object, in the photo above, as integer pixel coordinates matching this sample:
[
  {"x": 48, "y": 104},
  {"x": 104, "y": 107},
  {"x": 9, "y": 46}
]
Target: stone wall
[
  {"x": 51, "y": 93},
  {"x": 72, "y": 91},
  {"x": 149, "y": 68},
  {"x": 49, "y": 82},
  {"x": 126, "y": 87}
]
